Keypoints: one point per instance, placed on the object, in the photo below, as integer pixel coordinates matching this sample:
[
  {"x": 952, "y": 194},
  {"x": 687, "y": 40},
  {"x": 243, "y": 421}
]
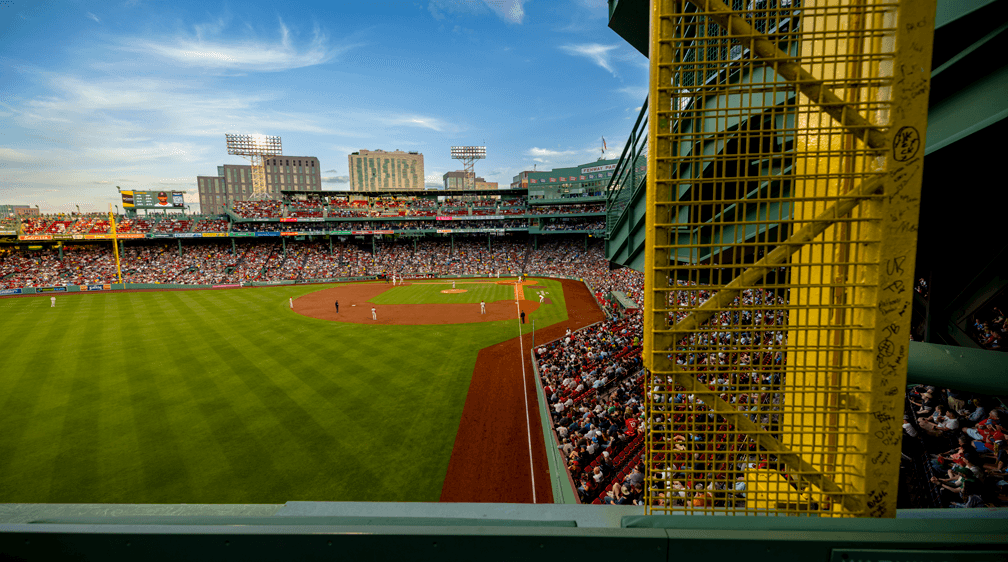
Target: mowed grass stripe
[
  {"x": 299, "y": 370},
  {"x": 286, "y": 421},
  {"x": 121, "y": 459},
  {"x": 231, "y": 458},
  {"x": 31, "y": 416},
  {"x": 152, "y": 394},
  {"x": 79, "y": 440}
]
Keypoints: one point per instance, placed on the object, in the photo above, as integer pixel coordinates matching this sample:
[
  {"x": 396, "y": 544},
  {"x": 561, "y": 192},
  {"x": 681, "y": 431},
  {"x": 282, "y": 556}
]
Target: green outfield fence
[{"x": 106, "y": 287}]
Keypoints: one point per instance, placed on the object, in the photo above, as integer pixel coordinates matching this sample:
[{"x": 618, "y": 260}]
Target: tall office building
[
  {"x": 234, "y": 182},
  {"x": 378, "y": 170},
  {"x": 458, "y": 180}
]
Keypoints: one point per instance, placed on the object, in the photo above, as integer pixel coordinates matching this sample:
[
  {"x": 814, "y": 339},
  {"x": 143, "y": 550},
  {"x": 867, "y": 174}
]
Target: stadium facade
[
  {"x": 378, "y": 170},
  {"x": 583, "y": 180},
  {"x": 234, "y": 182}
]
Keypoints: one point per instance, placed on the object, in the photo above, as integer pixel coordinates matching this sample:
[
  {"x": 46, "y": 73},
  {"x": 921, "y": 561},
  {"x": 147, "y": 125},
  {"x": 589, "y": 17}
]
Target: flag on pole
[{"x": 603, "y": 144}]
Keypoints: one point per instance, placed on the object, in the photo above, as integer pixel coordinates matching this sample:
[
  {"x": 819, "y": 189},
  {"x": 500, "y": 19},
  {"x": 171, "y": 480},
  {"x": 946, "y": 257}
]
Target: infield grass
[
  {"x": 430, "y": 291},
  {"x": 229, "y": 397}
]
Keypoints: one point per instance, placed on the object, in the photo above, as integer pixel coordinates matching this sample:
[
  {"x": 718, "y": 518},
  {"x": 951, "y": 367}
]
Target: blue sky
[{"x": 140, "y": 93}]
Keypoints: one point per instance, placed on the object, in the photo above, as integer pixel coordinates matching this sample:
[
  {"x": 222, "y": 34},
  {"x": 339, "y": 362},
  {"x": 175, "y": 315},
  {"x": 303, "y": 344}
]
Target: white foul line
[{"x": 528, "y": 423}]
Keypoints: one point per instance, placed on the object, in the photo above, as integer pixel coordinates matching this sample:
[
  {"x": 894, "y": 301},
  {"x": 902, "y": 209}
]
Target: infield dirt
[{"x": 354, "y": 308}]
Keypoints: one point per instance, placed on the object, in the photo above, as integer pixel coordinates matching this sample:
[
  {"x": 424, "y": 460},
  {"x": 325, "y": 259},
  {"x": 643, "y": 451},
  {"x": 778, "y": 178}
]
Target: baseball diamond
[{"x": 229, "y": 396}]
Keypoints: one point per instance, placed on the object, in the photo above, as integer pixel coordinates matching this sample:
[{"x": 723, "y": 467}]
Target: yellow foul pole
[{"x": 115, "y": 242}]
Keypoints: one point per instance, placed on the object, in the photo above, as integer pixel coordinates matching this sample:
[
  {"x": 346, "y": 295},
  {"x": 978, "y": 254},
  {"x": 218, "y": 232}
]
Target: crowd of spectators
[
  {"x": 592, "y": 379},
  {"x": 8, "y": 223},
  {"x": 172, "y": 226},
  {"x": 954, "y": 452},
  {"x": 567, "y": 209},
  {"x": 211, "y": 225},
  {"x": 390, "y": 206},
  {"x": 258, "y": 209},
  {"x": 574, "y": 224},
  {"x": 137, "y": 225},
  {"x": 989, "y": 328}
]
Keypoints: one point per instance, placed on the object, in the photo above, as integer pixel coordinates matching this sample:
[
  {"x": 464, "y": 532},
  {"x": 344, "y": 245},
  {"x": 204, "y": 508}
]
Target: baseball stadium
[{"x": 710, "y": 339}]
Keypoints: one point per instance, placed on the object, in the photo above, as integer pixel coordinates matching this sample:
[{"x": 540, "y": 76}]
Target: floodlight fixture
[
  {"x": 255, "y": 147},
  {"x": 468, "y": 155}
]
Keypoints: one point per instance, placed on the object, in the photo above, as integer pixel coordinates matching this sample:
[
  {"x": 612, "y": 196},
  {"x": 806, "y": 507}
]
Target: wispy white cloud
[
  {"x": 18, "y": 156},
  {"x": 548, "y": 153},
  {"x": 599, "y": 54},
  {"x": 635, "y": 92},
  {"x": 510, "y": 10},
  {"x": 335, "y": 179},
  {"x": 422, "y": 121},
  {"x": 434, "y": 180},
  {"x": 249, "y": 55},
  {"x": 94, "y": 17}
]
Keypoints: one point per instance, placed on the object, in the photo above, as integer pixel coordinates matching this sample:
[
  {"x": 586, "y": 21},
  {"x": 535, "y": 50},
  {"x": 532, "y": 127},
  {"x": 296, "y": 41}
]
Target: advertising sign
[
  {"x": 266, "y": 234},
  {"x": 7, "y": 232},
  {"x": 10, "y": 292},
  {"x": 130, "y": 235},
  {"x": 605, "y": 168},
  {"x": 153, "y": 199},
  {"x": 214, "y": 234},
  {"x": 96, "y": 287},
  {"x": 35, "y": 237},
  {"x": 51, "y": 290}
]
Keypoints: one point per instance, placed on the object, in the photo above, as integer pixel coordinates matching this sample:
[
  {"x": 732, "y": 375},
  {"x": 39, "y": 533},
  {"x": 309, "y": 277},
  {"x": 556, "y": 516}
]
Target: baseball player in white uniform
[
  {"x": 482, "y": 307},
  {"x": 541, "y": 297},
  {"x": 292, "y": 303},
  {"x": 52, "y": 302},
  {"x": 374, "y": 313}
]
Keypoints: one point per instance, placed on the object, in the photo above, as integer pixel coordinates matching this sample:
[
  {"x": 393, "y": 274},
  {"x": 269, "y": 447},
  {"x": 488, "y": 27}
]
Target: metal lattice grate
[{"x": 783, "y": 191}]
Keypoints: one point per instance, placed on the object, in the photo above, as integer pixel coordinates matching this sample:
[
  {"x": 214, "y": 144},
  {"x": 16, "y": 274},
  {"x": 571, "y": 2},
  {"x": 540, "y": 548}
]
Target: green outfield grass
[{"x": 229, "y": 397}]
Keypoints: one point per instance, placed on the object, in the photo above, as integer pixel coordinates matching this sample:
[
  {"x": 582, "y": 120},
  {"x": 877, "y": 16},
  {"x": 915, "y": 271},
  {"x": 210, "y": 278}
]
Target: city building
[
  {"x": 234, "y": 182},
  {"x": 458, "y": 180},
  {"x": 378, "y": 170},
  {"x": 585, "y": 179},
  {"x": 18, "y": 211}
]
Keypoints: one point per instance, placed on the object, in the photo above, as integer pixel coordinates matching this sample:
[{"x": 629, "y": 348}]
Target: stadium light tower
[
  {"x": 468, "y": 155},
  {"x": 255, "y": 148}
]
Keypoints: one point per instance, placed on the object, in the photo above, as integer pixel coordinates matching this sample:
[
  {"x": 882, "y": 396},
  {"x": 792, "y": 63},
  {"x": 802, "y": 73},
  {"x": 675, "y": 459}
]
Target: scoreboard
[{"x": 153, "y": 200}]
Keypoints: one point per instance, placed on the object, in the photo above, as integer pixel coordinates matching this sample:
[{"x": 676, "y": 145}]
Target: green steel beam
[
  {"x": 629, "y": 19},
  {"x": 961, "y": 368}
]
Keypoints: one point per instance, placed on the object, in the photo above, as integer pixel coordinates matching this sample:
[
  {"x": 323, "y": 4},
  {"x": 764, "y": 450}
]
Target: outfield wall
[{"x": 63, "y": 289}]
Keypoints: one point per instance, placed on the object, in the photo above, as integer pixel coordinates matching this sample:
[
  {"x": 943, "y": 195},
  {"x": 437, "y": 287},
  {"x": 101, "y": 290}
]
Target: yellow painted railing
[{"x": 786, "y": 143}]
